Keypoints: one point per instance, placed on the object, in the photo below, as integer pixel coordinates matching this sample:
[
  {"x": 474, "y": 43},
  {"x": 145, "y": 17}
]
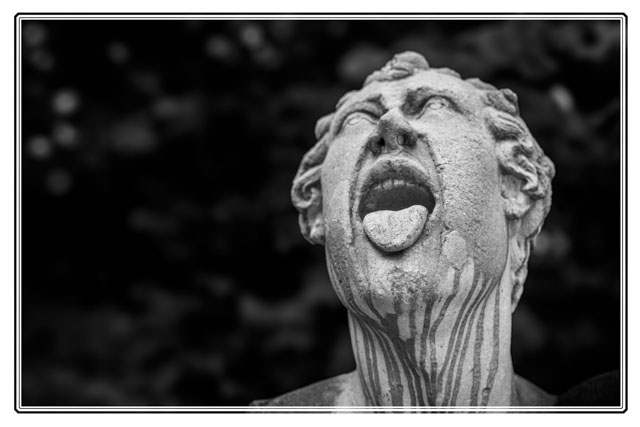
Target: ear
[
  {"x": 525, "y": 216},
  {"x": 516, "y": 202},
  {"x": 311, "y": 219},
  {"x": 306, "y": 195}
]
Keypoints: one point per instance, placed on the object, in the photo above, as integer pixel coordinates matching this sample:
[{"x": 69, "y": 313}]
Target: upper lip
[{"x": 395, "y": 174}]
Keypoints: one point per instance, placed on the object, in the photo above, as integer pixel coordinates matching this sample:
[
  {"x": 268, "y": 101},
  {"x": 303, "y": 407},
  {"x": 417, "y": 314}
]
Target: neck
[{"x": 455, "y": 352}]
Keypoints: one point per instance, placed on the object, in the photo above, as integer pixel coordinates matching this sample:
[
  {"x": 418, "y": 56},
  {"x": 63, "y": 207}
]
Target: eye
[
  {"x": 436, "y": 103},
  {"x": 359, "y": 117}
]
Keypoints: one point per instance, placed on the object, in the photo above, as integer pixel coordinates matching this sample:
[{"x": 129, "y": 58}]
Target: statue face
[{"x": 412, "y": 195}]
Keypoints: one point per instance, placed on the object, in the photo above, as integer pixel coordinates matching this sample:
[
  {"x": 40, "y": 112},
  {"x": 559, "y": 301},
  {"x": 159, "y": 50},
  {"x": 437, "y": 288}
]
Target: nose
[{"x": 393, "y": 134}]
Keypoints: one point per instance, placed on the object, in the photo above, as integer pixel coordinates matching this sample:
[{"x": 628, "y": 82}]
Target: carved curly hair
[{"x": 526, "y": 171}]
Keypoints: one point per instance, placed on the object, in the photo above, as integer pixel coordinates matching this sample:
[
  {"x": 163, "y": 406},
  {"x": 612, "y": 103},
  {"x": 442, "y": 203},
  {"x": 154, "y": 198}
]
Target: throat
[{"x": 455, "y": 354}]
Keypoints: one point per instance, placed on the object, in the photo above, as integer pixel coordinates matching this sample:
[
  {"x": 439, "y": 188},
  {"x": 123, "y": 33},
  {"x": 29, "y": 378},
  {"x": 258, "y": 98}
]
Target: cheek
[
  {"x": 467, "y": 165},
  {"x": 338, "y": 172},
  {"x": 472, "y": 202},
  {"x": 470, "y": 177}
]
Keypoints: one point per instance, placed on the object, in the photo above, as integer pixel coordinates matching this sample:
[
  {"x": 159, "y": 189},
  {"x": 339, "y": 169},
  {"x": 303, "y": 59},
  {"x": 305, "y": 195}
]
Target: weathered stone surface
[
  {"x": 393, "y": 231},
  {"x": 428, "y": 192}
]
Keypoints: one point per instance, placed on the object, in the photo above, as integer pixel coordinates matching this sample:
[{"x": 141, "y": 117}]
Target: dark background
[{"x": 162, "y": 261}]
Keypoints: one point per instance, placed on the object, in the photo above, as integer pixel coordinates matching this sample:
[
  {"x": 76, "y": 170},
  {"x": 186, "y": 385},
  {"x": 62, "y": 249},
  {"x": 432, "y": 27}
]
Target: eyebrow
[
  {"x": 413, "y": 98},
  {"x": 376, "y": 100}
]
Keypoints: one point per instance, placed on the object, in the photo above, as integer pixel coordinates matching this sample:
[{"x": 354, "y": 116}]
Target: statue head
[{"x": 417, "y": 177}]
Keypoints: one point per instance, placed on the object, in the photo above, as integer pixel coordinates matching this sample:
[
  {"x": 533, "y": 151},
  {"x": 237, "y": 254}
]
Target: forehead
[{"x": 393, "y": 93}]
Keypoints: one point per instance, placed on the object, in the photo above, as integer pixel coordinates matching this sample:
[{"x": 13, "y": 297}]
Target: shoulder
[
  {"x": 601, "y": 390},
  {"x": 329, "y": 392}
]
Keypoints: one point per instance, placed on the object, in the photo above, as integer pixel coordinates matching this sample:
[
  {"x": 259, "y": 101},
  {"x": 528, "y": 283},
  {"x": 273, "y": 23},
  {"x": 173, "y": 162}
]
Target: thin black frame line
[
  {"x": 324, "y": 13},
  {"x": 312, "y": 411},
  {"x": 329, "y": 409},
  {"x": 15, "y": 212},
  {"x": 625, "y": 23}
]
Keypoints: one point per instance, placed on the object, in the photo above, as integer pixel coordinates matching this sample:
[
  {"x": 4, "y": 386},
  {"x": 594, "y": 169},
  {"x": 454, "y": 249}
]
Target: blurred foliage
[{"x": 162, "y": 262}]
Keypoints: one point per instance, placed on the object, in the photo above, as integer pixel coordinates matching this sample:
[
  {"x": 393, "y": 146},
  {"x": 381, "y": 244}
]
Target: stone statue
[{"x": 428, "y": 192}]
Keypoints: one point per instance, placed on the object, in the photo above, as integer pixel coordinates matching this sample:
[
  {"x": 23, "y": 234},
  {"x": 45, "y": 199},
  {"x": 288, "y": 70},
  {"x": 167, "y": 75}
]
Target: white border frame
[{"x": 19, "y": 18}]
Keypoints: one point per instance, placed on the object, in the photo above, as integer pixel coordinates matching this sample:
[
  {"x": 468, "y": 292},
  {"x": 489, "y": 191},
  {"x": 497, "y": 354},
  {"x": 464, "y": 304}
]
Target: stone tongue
[{"x": 393, "y": 231}]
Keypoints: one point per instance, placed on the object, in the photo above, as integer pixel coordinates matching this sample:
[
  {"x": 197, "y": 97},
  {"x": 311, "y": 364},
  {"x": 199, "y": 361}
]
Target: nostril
[
  {"x": 407, "y": 139},
  {"x": 376, "y": 144},
  {"x": 392, "y": 141}
]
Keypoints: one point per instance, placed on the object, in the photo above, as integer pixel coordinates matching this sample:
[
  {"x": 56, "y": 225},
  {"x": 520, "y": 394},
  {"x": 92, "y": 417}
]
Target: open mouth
[
  {"x": 395, "y": 205},
  {"x": 394, "y": 190}
]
